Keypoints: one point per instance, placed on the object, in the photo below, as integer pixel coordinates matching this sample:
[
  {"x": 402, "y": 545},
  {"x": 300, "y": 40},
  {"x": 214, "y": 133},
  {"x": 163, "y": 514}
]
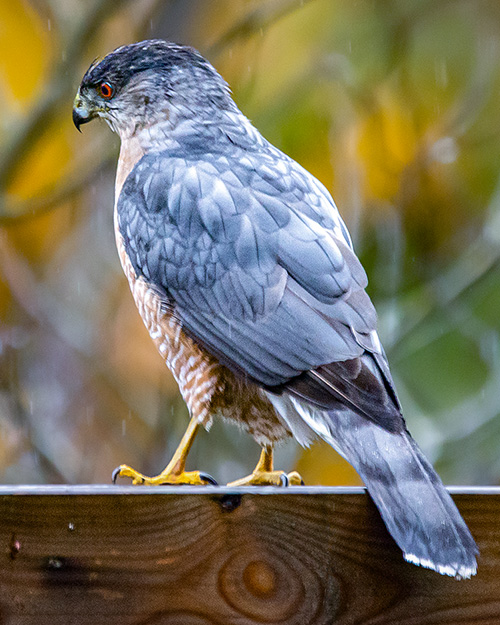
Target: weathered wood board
[{"x": 221, "y": 556}]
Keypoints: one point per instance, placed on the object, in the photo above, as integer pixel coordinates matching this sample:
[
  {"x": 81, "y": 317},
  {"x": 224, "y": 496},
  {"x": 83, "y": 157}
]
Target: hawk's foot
[
  {"x": 269, "y": 478},
  {"x": 174, "y": 473},
  {"x": 265, "y": 475},
  {"x": 193, "y": 478}
]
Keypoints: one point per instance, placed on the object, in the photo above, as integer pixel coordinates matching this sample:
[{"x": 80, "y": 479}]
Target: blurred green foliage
[{"x": 392, "y": 104}]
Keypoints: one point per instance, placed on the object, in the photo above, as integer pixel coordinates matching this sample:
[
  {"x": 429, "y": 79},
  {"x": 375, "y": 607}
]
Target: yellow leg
[
  {"x": 174, "y": 472},
  {"x": 265, "y": 475}
]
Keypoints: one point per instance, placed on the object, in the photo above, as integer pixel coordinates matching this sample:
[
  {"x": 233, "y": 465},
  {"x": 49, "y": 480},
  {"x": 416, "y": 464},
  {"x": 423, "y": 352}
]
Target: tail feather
[{"x": 415, "y": 506}]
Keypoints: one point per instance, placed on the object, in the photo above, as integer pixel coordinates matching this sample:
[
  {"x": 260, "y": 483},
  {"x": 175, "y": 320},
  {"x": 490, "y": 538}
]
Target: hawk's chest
[{"x": 195, "y": 371}]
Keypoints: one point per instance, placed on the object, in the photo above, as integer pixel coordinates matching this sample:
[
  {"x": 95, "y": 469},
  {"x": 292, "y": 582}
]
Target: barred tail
[{"x": 415, "y": 506}]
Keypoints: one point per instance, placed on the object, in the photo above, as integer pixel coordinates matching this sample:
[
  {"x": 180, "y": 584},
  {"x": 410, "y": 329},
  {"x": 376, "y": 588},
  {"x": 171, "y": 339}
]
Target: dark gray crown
[{"x": 164, "y": 58}]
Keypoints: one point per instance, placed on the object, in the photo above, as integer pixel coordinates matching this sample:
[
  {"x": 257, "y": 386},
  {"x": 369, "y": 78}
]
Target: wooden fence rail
[{"x": 98, "y": 555}]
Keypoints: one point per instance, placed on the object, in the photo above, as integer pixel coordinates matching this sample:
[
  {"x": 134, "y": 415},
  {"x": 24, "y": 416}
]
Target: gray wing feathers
[
  {"x": 251, "y": 251},
  {"x": 266, "y": 342}
]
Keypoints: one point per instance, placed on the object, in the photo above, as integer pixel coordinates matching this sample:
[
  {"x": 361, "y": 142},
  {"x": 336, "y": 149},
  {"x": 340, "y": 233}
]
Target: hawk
[{"x": 246, "y": 278}]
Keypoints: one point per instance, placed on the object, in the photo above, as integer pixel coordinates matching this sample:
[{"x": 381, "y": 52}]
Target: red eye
[{"x": 105, "y": 90}]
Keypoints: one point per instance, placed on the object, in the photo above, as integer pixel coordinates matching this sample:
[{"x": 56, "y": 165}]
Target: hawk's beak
[{"x": 81, "y": 114}]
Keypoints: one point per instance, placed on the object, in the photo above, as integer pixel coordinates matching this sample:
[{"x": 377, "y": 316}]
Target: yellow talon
[
  {"x": 174, "y": 473},
  {"x": 193, "y": 478},
  {"x": 264, "y": 475}
]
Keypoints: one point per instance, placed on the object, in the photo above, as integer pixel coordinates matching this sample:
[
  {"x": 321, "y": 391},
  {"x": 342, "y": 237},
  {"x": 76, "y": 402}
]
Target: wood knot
[
  {"x": 260, "y": 579},
  {"x": 270, "y": 586},
  {"x": 228, "y": 503}
]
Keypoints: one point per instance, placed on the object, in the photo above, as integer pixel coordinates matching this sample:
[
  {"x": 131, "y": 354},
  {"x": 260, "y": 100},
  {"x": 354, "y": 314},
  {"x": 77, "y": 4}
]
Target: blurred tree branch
[
  {"x": 27, "y": 209},
  {"x": 424, "y": 306},
  {"x": 45, "y": 310},
  {"x": 262, "y": 17}
]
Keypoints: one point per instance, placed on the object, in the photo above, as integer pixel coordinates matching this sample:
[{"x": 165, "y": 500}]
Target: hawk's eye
[{"x": 105, "y": 90}]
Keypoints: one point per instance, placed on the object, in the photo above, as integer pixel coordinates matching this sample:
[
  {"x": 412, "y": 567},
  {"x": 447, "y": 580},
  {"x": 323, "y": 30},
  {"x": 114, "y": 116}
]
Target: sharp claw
[
  {"x": 295, "y": 479},
  {"x": 284, "y": 479},
  {"x": 115, "y": 475},
  {"x": 206, "y": 477}
]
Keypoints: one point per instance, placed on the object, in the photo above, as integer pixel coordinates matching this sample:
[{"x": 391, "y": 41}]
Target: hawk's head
[{"x": 144, "y": 82}]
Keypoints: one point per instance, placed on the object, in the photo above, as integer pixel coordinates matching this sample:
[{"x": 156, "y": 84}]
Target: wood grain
[{"x": 219, "y": 556}]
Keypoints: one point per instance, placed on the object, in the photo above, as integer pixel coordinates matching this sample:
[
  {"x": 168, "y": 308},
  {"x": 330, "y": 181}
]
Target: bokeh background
[{"x": 393, "y": 104}]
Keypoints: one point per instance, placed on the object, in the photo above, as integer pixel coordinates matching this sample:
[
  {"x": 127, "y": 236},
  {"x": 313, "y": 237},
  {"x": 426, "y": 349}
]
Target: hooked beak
[{"x": 81, "y": 114}]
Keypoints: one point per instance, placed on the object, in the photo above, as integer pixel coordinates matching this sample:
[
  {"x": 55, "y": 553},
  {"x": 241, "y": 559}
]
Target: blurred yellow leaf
[
  {"x": 47, "y": 159},
  {"x": 320, "y": 464},
  {"x": 387, "y": 144},
  {"x": 24, "y": 41}
]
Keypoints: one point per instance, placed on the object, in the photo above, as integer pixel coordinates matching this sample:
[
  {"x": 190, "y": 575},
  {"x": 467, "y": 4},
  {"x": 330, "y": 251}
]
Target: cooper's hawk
[{"x": 245, "y": 276}]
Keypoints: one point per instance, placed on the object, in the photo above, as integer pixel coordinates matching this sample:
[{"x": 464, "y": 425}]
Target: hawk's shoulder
[{"x": 256, "y": 210}]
